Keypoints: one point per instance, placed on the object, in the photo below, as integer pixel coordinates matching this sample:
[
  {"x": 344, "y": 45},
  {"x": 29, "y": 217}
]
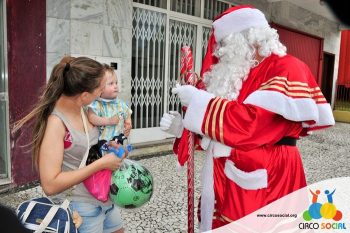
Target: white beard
[
  {"x": 236, "y": 57},
  {"x": 235, "y": 60}
]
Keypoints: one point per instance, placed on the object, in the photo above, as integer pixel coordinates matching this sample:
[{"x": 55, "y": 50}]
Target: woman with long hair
[{"x": 60, "y": 143}]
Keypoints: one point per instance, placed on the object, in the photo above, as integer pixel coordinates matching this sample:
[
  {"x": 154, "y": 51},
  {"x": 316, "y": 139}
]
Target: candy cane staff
[
  {"x": 185, "y": 142},
  {"x": 189, "y": 77}
]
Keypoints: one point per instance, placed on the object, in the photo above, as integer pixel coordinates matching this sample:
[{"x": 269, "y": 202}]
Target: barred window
[
  {"x": 189, "y": 7},
  {"x": 156, "y": 3},
  {"x": 148, "y": 62},
  {"x": 213, "y": 8}
]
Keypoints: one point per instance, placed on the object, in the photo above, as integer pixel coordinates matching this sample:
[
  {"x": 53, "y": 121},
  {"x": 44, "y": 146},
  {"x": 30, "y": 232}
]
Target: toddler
[{"x": 111, "y": 114}]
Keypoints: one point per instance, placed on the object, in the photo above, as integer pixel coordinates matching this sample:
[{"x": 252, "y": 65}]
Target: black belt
[{"x": 288, "y": 141}]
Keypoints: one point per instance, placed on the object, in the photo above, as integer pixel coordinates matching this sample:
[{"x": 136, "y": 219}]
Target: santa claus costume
[{"x": 250, "y": 123}]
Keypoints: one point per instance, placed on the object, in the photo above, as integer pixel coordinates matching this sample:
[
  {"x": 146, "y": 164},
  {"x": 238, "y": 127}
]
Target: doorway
[
  {"x": 327, "y": 75},
  {"x": 159, "y": 31}
]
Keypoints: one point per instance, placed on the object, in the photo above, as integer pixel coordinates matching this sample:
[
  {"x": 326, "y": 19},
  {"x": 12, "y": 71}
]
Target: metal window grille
[
  {"x": 150, "y": 86},
  {"x": 180, "y": 34},
  {"x": 342, "y": 101},
  {"x": 189, "y": 7},
  {"x": 212, "y": 8},
  {"x": 156, "y": 3},
  {"x": 147, "y": 81}
]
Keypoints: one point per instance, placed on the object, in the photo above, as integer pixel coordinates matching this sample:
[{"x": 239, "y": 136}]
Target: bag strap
[
  {"x": 49, "y": 216},
  {"x": 28, "y": 210},
  {"x": 83, "y": 161},
  {"x": 53, "y": 210}
]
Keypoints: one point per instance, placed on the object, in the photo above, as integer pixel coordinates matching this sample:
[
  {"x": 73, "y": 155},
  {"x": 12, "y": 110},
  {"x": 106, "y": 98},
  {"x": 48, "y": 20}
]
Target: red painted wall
[
  {"x": 306, "y": 47},
  {"x": 26, "y": 40},
  {"x": 344, "y": 60}
]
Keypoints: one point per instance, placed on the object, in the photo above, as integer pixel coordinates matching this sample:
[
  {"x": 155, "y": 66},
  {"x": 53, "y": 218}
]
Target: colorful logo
[{"x": 327, "y": 210}]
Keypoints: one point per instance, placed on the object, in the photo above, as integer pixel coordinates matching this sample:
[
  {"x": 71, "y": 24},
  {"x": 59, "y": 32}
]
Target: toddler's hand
[
  {"x": 127, "y": 128},
  {"x": 113, "y": 120},
  {"x": 125, "y": 154}
]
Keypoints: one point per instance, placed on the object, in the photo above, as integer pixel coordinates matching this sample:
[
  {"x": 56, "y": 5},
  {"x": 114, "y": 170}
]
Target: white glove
[
  {"x": 172, "y": 123},
  {"x": 185, "y": 93}
]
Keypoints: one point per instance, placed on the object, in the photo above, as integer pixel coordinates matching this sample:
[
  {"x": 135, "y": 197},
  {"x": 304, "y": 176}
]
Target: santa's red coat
[{"x": 280, "y": 98}]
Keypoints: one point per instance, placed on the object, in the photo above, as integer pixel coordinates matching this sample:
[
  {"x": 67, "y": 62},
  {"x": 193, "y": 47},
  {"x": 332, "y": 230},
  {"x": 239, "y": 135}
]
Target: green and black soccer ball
[{"x": 131, "y": 185}]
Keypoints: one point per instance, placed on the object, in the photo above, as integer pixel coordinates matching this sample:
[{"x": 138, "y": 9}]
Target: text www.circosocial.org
[{"x": 277, "y": 215}]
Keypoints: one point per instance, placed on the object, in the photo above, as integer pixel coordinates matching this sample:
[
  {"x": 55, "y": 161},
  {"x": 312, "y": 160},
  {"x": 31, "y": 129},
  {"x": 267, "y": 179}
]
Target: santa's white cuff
[
  {"x": 205, "y": 142},
  {"x": 196, "y": 110},
  {"x": 218, "y": 149},
  {"x": 248, "y": 180}
]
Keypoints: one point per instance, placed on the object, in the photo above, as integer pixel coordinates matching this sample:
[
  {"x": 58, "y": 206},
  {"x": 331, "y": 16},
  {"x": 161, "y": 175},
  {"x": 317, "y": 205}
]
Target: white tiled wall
[{"x": 95, "y": 28}]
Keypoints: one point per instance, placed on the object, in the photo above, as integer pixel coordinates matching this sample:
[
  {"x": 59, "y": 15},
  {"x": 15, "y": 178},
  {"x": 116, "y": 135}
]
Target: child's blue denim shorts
[{"x": 97, "y": 218}]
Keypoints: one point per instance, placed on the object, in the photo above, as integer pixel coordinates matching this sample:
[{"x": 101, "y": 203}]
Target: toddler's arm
[
  {"x": 101, "y": 121},
  {"x": 127, "y": 126}
]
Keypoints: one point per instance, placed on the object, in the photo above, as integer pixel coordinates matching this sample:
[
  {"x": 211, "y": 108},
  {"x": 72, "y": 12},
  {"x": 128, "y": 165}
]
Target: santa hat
[{"x": 233, "y": 20}]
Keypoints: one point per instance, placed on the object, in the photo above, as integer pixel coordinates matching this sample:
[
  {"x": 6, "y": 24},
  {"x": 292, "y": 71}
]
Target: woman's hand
[{"x": 110, "y": 161}]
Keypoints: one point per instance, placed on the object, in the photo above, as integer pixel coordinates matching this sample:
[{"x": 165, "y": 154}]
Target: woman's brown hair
[{"x": 70, "y": 77}]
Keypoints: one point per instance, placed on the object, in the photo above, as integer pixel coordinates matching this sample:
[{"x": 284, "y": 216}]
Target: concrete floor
[{"x": 326, "y": 155}]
